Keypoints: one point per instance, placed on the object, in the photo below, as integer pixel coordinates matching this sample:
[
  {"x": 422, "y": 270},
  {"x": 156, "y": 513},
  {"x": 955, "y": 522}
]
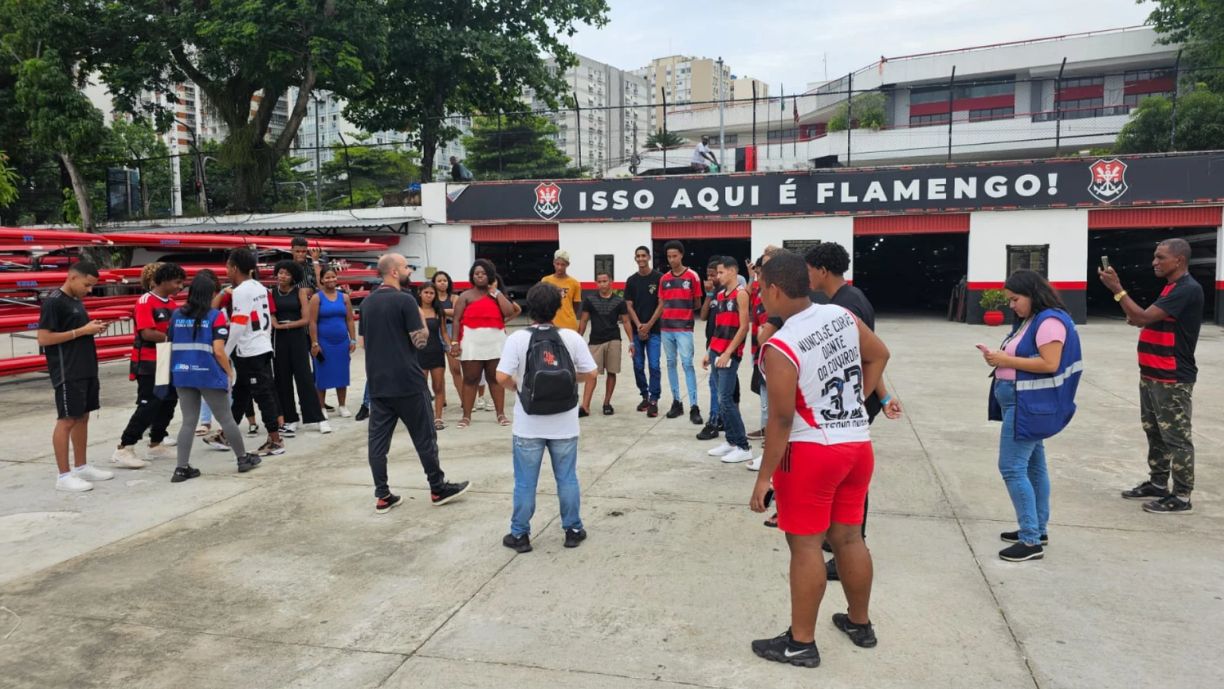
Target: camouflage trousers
[{"x": 1165, "y": 410}]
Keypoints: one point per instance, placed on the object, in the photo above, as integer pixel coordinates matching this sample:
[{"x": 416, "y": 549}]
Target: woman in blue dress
[{"x": 333, "y": 337}]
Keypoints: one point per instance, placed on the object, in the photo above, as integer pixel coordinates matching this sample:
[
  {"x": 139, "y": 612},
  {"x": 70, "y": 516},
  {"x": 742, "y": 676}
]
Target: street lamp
[
  {"x": 318, "y": 168},
  {"x": 722, "y": 135}
]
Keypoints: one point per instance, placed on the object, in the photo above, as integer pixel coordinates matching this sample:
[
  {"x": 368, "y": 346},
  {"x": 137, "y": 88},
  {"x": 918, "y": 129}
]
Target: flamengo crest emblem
[
  {"x": 1108, "y": 180},
  {"x": 548, "y": 200}
]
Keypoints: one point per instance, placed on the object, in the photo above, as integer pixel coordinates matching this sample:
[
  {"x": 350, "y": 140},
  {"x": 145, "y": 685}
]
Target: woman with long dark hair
[
  {"x": 291, "y": 342},
  {"x": 333, "y": 334},
  {"x": 200, "y": 370},
  {"x": 444, "y": 287},
  {"x": 433, "y": 357},
  {"x": 480, "y": 333},
  {"x": 1037, "y": 371}
]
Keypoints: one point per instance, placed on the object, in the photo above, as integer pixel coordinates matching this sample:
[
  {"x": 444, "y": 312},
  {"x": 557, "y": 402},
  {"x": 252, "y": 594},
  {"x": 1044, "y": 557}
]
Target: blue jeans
[
  {"x": 1023, "y": 466},
  {"x": 728, "y": 410},
  {"x": 528, "y": 454},
  {"x": 680, "y": 342},
  {"x": 646, "y": 355},
  {"x": 365, "y": 396},
  {"x": 713, "y": 416}
]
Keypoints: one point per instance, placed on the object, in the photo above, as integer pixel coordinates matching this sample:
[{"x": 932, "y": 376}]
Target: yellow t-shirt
[{"x": 571, "y": 293}]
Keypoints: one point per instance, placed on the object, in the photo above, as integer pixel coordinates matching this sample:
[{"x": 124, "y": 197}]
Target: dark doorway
[
  {"x": 1130, "y": 254},
  {"x": 698, "y": 252},
  {"x": 910, "y": 273},
  {"x": 519, "y": 264}
]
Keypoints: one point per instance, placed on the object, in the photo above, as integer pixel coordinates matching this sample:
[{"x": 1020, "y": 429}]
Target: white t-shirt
[
  {"x": 822, "y": 341},
  {"x": 250, "y": 304},
  {"x": 514, "y": 363},
  {"x": 698, "y": 158}
]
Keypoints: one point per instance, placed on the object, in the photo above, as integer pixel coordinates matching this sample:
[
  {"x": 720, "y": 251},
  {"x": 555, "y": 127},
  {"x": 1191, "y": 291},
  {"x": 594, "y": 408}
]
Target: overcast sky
[{"x": 785, "y": 42}]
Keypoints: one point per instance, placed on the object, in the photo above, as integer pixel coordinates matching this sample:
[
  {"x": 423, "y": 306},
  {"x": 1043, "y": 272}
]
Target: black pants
[
  {"x": 291, "y": 366},
  {"x": 417, "y": 415},
  {"x": 152, "y": 413},
  {"x": 254, "y": 382}
]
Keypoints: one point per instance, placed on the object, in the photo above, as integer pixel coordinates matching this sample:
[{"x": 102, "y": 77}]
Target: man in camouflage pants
[{"x": 1167, "y": 371}]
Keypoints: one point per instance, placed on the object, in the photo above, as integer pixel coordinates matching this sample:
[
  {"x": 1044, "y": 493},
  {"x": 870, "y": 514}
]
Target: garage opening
[
  {"x": 1130, "y": 254},
  {"x": 910, "y": 273},
  {"x": 522, "y": 253},
  {"x": 698, "y": 252}
]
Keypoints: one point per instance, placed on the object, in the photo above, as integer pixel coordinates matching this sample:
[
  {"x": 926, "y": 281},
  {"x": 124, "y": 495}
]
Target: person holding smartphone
[{"x": 1037, "y": 369}]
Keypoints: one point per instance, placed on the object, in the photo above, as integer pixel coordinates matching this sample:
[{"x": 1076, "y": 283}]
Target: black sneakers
[
  {"x": 574, "y": 536},
  {"x": 653, "y": 410},
  {"x": 783, "y": 649},
  {"x": 448, "y": 491},
  {"x": 863, "y": 635},
  {"x": 363, "y": 413},
  {"x": 1170, "y": 504},
  {"x": 676, "y": 409},
  {"x": 184, "y": 473},
  {"x": 695, "y": 415},
  {"x": 708, "y": 432},
  {"x": 1019, "y": 552},
  {"x": 1014, "y": 537},
  {"x": 644, "y": 404},
  {"x": 1145, "y": 490},
  {"x": 385, "y": 504},
  {"x": 248, "y": 461},
  {"x": 582, "y": 413},
  {"x": 519, "y": 544},
  {"x": 831, "y": 570}
]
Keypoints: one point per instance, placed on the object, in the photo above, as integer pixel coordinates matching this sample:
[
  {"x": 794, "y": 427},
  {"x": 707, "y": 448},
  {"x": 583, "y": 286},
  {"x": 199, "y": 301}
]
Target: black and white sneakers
[
  {"x": 1019, "y": 552},
  {"x": 863, "y": 635},
  {"x": 1170, "y": 504},
  {"x": 448, "y": 492},
  {"x": 783, "y": 649}
]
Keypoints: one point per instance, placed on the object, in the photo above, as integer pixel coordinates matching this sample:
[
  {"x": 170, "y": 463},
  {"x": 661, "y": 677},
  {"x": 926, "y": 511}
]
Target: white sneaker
[
  {"x": 289, "y": 430},
  {"x": 170, "y": 441},
  {"x": 91, "y": 473},
  {"x": 160, "y": 452},
  {"x": 736, "y": 455},
  {"x": 482, "y": 404},
  {"x": 723, "y": 448},
  {"x": 324, "y": 427},
  {"x": 126, "y": 458},
  {"x": 344, "y": 412},
  {"x": 72, "y": 484},
  {"x": 754, "y": 464}
]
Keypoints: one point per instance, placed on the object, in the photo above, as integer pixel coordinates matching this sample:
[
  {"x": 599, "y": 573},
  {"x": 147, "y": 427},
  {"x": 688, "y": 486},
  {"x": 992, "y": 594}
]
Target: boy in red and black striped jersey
[
  {"x": 152, "y": 413},
  {"x": 731, "y": 321},
  {"x": 1167, "y": 371},
  {"x": 679, "y": 297}
]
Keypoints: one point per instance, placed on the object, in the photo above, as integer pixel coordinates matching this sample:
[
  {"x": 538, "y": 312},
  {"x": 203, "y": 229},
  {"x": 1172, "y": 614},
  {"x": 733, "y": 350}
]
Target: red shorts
[{"x": 819, "y": 484}]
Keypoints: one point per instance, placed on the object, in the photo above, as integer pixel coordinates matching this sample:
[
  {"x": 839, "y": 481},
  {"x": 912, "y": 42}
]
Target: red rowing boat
[
  {"x": 31, "y": 235},
  {"x": 188, "y": 240},
  {"x": 35, "y": 279}
]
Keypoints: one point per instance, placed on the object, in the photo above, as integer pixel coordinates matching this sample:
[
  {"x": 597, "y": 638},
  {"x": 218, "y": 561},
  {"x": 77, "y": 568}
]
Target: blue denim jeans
[
  {"x": 646, "y": 357},
  {"x": 528, "y": 454},
  {"x": 679, "y": 342},
  {"x": 365, "y": 396},
  {"x": 1023, "y": 466},
  {"x": 712, "y": 417},
  {"x": 728, "y": 410}
]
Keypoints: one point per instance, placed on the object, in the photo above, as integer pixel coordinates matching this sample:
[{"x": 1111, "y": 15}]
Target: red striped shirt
[
  {"x": 678, "y": 294},
  {"x": 726, "y": 322}
]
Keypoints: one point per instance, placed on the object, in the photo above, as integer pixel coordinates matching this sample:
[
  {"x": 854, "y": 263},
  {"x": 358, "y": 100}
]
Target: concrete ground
[{"x": 285, "y": 576}]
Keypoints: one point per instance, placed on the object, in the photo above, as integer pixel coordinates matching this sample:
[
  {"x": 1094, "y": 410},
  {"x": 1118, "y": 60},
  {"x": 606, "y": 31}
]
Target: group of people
[{"x": 817, "y": 367}]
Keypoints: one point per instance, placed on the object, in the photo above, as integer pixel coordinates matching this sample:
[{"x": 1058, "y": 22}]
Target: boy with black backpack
[{"x": 545, "y": 365}]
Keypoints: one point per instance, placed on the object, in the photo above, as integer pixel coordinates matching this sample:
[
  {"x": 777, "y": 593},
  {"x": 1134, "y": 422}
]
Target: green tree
[
  {"x": 244, "y": 57},
  {"x": 373, "y": 172},
  {"x": 867, "y": 110},
  {"x": 467, "y": 56},
  {"x": 524, "y": 147},
  {"x": 1198, "y": 26},
  {"x": 1199, "y": 127},
  {"x": 8, "y": 182},
  {"x": 662, "y": 139}
]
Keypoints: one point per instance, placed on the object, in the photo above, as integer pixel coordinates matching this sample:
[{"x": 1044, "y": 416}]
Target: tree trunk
[{"x": 80, "y": 190}]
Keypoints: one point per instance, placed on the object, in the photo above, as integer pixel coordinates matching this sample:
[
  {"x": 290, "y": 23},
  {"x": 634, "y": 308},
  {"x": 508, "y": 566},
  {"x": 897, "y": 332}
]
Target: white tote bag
[{"x": 162, "y": 375}]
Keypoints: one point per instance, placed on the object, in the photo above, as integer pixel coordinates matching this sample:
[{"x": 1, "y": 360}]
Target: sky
[{"x": 788, "y": 43}]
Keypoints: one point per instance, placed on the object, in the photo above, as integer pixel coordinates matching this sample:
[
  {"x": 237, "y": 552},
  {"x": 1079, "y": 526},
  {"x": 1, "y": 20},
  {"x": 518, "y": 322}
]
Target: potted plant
[{"x": 992, "y": 302}]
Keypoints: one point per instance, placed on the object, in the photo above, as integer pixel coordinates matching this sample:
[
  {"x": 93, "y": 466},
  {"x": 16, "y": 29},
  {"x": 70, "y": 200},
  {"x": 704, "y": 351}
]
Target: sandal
[
  {"x": 465, "y": 422},
  {"x": 772, "y": 522},
  {"x": 202, "y": 430},
  {"x": 502, "y": 420},
  {"x": 439, "y": 424}
]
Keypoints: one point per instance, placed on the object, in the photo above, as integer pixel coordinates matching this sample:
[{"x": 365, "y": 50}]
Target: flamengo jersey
[
  {"x": 678, "y": 292},
  {"x": 251, "y": 308},
  {"x": 726, "y": 322},
  {"x": 822, "y": 341}
]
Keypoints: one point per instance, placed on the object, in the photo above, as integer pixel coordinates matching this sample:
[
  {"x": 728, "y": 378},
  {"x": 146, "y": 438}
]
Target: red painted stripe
[
  {"x": 526, "y": 232},
  {"x": 962, "y": 104},
  {"x": 984, "y": 285},
  {"x": 1063, "y": 285},
  {"x": 1131, "y": 218},
  {"x": 702, "y": 229},
  {"x": 939, "y": 223},
  {"x": 1149, "y": 86},
  {"x": 595, "y": 285},
  {"x": 1080, "y": 92},
  {"x": 1156, "y": 337},
  {"x": 1163, "y": 363},
  {"x": 1220, "y": 285}
]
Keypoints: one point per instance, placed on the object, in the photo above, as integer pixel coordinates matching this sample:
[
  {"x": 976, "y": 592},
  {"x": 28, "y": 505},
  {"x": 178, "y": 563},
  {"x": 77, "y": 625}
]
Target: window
[
  {"x": 927, "y": 120},
  {"x": 1132, "y": 100},
  {"x": 1136, "y": 75},
  {"x": 1081, "y": 108},
  {"x": 928, "y": 95},
  {"x": 980, "y": 90},
  {"x": 1077, "y": 82},
  {"x": 991, "y": 114}
]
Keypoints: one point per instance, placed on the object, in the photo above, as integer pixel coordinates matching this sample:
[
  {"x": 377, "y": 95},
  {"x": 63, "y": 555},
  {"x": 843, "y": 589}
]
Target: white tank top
[{"x": 822, "y": 341}]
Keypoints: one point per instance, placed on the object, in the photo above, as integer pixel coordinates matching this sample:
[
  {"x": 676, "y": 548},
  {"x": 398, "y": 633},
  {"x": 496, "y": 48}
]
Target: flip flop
[
  {"x": 772, "y": 522},
  {"x": 502, "y": 420},
  {"x": 439, "y": 424},
  {"x": 202, "y": 430},
  {"x": 465, "y": 422}
]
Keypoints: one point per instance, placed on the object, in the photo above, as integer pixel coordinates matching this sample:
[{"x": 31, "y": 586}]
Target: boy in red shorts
[{"x": 817, "y": 453}]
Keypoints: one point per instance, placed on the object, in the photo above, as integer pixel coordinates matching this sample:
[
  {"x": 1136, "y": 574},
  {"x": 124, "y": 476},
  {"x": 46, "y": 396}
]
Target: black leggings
[
  {"x": 254, "y": 382},
  {"x": 291, "y": 367}
]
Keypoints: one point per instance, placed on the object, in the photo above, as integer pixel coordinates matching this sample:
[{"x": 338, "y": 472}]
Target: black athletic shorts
[{"x": 76, "y": 398}]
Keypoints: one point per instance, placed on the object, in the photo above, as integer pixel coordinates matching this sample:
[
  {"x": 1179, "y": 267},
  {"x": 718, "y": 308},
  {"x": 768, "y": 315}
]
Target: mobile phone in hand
[
  {"x": 769, "y": 496},
  {"x": 982, "y": 348},
  {"x": 1104, "y": 263}
]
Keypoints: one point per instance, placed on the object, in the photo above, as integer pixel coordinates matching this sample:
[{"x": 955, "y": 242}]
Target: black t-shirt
[
  {"x": 1166, "y": 348},
  {"x": 388, "y": 315},
  {"x": 605, "y": 315},
  {"x": 75, "y": 359},
  {"x": 853, "y": 300},
  {"x": 643, "y": 291}
]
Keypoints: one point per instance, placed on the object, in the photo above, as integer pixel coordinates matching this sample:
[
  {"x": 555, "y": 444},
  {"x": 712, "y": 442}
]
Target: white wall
[
  {"x": 433, "y": 202},
  {"x": 1066, "y": 231},
  {"x": 584, "y": 240},
  {"x": 775, "y": 231},
  {"x": 445, "y": 247}
]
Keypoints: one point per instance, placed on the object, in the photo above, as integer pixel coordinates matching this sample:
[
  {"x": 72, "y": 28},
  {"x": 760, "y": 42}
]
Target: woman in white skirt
[{"x": 480, "y": 332}]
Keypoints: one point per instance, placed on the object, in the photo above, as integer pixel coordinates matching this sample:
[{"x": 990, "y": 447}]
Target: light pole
[
  {"x": 318, "y": 168},
  {"x": 722, "y": 98}
]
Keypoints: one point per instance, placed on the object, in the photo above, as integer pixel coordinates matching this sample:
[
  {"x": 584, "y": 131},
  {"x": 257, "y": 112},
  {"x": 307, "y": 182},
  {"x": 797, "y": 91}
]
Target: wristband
[
  {"x": 1120, "y": 296},
  {"x": 887, "y": 398},
  {"x": 352, "y": 342}
]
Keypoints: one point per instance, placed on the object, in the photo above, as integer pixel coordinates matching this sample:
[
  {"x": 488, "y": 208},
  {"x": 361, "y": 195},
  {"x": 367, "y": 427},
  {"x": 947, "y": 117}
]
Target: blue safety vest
[
  {"x": 192, "y": 362},
  {"x": 1045, "y": 402}
]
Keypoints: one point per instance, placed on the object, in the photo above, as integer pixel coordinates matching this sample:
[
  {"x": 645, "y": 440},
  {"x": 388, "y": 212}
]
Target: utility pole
[
  {"x": 849, "y": 114},
  {"x": 578, "y": 122},
  {"x": 722, "y": 101},
  {"x": 1058, "y": 109},
  {"x": 951, "y": 99},
  {"x": 1173, "y": 112},
  {"x": 663, "y": 91},
  {"x": 318, "y": 146}
]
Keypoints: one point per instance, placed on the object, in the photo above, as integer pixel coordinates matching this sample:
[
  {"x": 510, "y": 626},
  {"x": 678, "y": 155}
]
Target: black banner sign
[{"x": 1120, "y": 181}]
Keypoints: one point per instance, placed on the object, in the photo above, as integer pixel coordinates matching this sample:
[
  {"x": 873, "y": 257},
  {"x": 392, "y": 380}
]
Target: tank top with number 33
[{"x": 822, "y": 341}]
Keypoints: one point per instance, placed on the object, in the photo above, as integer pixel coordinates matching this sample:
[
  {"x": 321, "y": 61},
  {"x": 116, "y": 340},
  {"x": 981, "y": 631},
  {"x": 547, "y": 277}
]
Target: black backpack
[{"x": 550, "y": 383}]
